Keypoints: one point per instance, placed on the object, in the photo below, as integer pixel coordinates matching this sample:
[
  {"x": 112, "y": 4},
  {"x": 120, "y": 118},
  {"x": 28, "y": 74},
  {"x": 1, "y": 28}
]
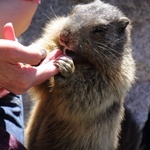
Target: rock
[{"x": 138, "y": 99}]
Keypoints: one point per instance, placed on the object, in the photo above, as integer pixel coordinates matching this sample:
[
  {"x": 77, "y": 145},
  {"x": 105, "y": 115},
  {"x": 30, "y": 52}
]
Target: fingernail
[{"x": 43, "y": 53}]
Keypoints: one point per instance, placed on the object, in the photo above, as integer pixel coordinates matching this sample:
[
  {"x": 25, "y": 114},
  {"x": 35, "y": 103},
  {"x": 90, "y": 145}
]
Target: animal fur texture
[{"x": 81, "y": 108}]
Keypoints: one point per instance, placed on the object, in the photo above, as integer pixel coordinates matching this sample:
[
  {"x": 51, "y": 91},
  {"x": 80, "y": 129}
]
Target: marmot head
[{"x": 97, "y": 32}]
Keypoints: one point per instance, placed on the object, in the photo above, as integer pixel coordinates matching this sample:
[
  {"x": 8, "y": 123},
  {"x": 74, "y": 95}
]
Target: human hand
[
  {"x": 16, "y": 73},
  {"x": 10, "y": 35}
]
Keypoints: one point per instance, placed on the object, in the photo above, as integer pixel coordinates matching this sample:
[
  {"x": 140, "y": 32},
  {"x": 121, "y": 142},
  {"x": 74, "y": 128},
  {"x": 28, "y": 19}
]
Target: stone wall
[{"x": 138, "y": 100}]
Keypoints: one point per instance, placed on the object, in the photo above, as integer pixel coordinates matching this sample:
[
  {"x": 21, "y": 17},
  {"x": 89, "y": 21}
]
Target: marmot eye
[{"x": 99, "y": 29}]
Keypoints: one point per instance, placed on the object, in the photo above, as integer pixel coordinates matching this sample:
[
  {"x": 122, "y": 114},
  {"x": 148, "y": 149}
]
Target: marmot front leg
[{"x": 66, "y": 67}]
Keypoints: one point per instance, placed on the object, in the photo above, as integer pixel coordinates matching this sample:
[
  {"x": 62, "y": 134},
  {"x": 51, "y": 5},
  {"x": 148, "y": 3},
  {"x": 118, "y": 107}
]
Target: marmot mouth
[{"x": 70, "y": 53}]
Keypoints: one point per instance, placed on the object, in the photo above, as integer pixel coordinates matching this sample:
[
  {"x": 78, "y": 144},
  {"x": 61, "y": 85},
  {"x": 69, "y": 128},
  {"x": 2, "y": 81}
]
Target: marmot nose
[{"x": 64, "y": 37}]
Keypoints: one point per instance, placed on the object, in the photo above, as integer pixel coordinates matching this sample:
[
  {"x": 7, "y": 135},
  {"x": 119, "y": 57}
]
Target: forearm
[{"x": 19, "y": 12}]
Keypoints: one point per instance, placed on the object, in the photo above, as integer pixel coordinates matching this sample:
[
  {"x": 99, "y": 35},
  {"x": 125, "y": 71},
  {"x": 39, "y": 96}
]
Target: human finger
[
  {"x": 52, "y": 56},
  {"x": 25, "y": 76},
  {"x": 44, "y": 72},
  {"x": 8, "y": 32},
  {"x": 3, "y": 92},
  {"x": 14, "y": 52}
]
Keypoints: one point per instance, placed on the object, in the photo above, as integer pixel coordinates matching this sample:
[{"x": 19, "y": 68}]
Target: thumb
[
  {"x": 21, "y": 53},
  {"x": 3, "y": 92},
  {"x": 8, "y": 32}
]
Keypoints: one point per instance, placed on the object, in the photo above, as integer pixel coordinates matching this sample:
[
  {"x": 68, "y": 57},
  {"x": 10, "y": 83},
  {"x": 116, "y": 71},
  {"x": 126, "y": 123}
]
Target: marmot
[{"x": 81, "y": 108}]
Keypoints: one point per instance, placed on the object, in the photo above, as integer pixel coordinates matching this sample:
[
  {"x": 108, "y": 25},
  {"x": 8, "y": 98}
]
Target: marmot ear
[{"x": 123, "y": 23}]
